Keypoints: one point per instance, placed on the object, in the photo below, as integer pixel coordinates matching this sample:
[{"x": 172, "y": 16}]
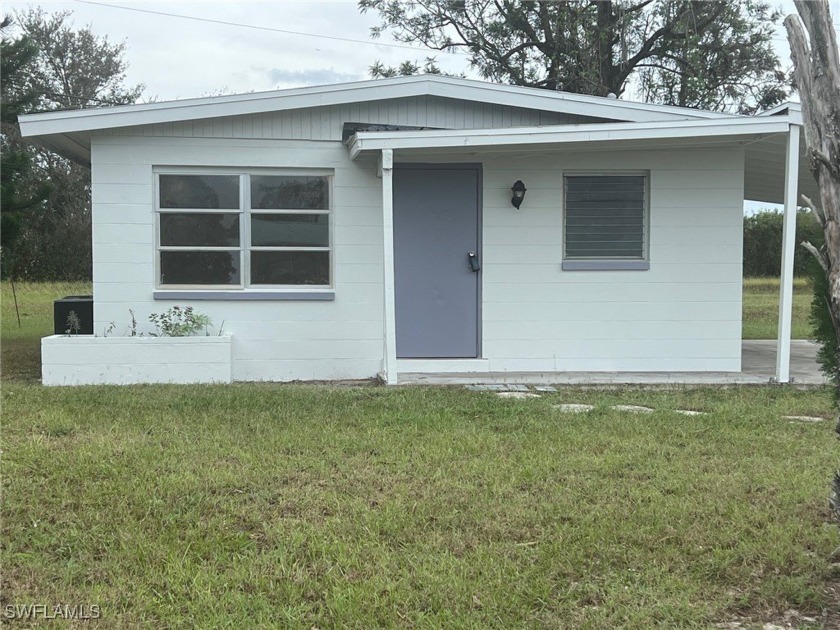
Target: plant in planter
[
  {"x": 180, "y": 322},
  {"x": 74, "y": 324}
]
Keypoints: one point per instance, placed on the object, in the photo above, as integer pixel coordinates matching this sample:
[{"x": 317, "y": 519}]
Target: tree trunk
[
  {"x": 817, "y": 75},
  {"x": 605, "y": 49}
]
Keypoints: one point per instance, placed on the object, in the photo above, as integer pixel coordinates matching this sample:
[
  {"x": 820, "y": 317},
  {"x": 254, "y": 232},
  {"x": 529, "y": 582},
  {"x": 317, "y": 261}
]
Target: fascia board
[{"x": 369, "y": 141}]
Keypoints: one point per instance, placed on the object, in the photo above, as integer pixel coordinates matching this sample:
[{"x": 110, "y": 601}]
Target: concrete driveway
[{"x": 758, "y": 357}]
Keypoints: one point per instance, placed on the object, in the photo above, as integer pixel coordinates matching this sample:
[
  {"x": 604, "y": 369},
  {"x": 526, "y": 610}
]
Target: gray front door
[{"x": 436, "y": 226}]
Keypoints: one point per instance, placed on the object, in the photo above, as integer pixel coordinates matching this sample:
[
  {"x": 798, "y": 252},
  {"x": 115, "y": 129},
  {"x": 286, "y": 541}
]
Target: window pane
[
  {"x": 605, "y": 216},
  {"x": 290, "y": 267},
  {"x": 194, "y": 229},
  {"x": 199, "y": 267},
  {"x": 199, "y": 191},
  {"x": 290, "y": 230},
  {"x": 289, "y": 192}
]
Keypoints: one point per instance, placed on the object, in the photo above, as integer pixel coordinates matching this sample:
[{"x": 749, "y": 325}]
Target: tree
[
  {"x": 711, "y": 54},
  {"x": 73, "y": 69},
  {"x": 816, "y": 64},
  {"x": 16, "y": 58},
  {"x": 405, "y": 69},
  {"x": 763, "y": 243}
]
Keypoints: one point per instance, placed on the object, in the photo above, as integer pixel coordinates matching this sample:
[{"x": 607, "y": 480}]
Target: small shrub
[
  {"x": 820, "y": 319},
  {"x": 180, "y": 322},
  {"x": 74, "y": 324}
]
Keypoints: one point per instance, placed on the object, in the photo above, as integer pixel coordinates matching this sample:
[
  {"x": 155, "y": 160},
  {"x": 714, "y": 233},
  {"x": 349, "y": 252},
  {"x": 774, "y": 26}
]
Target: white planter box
[{"x": 88, "y": 360}]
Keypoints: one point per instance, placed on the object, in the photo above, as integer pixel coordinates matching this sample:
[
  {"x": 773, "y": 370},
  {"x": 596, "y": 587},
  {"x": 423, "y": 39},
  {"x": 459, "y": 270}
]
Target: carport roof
[{"x": 764, "y": 139}]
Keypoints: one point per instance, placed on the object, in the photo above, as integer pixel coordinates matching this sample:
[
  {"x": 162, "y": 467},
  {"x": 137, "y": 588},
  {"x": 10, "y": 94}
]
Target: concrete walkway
[{"x": 758, "y": 367}]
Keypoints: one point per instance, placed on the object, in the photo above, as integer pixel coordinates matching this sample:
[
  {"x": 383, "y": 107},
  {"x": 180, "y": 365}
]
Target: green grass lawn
[
  {"x": 761, "y": 308},
  {"x": 263, "y": 506}
]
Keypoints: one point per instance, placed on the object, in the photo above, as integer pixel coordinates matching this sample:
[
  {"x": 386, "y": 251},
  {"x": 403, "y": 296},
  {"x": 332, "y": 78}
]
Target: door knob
[{"x": 475, "y": 265}]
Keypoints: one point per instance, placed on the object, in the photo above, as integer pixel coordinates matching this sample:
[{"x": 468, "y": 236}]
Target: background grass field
[
  {"x": 761, "y": 308},
  {"x": 20, "y": 344},
  {"x": 263, "y": 505}
]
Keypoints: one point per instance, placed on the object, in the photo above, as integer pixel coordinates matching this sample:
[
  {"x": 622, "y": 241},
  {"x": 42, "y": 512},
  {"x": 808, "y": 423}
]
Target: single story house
[{"x": 420, "y": 224}]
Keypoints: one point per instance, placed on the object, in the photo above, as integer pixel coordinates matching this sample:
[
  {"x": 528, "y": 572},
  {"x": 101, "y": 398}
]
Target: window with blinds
[{"x": 605, "y": 217}]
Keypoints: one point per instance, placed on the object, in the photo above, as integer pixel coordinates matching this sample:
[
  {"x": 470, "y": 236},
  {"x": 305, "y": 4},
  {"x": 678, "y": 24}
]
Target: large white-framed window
[
  {"x": 605, "y": 220},
  {"x": 227, "y": 229}
]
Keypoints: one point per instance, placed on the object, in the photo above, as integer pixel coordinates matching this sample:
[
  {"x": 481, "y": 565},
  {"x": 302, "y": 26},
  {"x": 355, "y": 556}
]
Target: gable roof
[{"x": 86, "y": 120}]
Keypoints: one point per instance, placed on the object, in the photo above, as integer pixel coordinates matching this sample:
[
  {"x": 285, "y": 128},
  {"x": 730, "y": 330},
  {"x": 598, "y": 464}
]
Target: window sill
[
  {"x": 606, "y": 265},
  {"x": 327, "y": 295}
]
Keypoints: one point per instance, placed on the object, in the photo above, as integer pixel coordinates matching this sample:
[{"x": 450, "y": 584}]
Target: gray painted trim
[
  {"x": 326, "y": 296},
  {"x": 606, "y": 265}
]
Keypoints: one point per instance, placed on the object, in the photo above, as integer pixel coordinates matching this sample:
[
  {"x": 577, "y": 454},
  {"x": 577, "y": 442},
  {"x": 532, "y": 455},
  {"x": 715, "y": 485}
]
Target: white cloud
[{"x": 181, "y": 58}]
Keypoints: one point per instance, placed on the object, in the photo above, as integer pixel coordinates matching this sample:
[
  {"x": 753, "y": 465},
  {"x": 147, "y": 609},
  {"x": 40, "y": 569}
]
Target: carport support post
[
  {"x": 788, "y": 248},
  {"x": 389, "y": 367}
]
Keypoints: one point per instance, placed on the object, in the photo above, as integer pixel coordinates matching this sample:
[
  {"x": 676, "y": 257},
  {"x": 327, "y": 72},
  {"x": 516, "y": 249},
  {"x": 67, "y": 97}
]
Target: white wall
[
  {"x": 130, "y": 360},
  {"x": 272, "y": 340},
  {"x": 683, "y": 314}
]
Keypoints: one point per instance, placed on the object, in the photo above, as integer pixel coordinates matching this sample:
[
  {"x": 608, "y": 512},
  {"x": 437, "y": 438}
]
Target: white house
[{"x": 370, "y": 228}]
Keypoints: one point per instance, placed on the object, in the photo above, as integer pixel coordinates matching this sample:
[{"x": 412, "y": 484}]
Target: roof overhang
[
  {"x": 564, "y": 134},
  {"x": 69, "y": 131},
  {"x": 763, "y": 138},
  {"x": 338, "y": 94}
]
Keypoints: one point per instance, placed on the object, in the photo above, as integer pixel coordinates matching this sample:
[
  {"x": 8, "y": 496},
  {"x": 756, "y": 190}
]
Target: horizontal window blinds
[{"x": 605, "y": 216}]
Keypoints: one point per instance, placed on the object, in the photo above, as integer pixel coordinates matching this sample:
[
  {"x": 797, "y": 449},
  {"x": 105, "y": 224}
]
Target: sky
[
  {"x": 283, "y": 44},
  {"x": 181, "y": 58}
]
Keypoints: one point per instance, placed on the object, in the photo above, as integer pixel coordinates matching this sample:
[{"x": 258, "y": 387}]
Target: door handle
[{"x": 474, "y": 263}]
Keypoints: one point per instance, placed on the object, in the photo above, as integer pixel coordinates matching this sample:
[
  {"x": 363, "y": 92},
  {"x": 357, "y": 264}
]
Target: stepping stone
[
  {"x": 517, "y": 395},
  {"x": 545, "y": 388},
  {"x": 516, "y": 388},
  {"x": 689, "y": 412},
  {"x": 574, "y": 408},
  {"x": 632, "y": 408},
  {"x": 487, "y": 388},
  {"x": 804, "y": 418}
]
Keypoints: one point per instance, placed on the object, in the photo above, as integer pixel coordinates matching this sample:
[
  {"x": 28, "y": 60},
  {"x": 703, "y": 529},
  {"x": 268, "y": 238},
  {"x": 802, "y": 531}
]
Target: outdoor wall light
[{"x": 518, "y": 190}]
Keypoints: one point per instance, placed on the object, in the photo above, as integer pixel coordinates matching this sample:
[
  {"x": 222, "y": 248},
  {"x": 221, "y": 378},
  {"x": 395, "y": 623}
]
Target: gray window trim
[
  {"x": 609, "y": 264},
  {"x": 233, "y": 295}
]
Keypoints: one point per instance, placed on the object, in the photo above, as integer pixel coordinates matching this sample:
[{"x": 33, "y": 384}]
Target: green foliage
[
  {"x": 711, "y": 54},
  {"x": 179, "y": 322},
  {"x": 406, "y": 69},
  {"x": 763, "y": 243},
  {"x": 73, "y": 69},
  {"x": 17, "y": 57},
  {"x": 824, "y": 331}
]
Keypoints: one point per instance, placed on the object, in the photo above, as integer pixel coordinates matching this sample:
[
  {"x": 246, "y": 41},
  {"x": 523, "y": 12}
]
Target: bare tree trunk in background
[{"x": 817, "y": 76}]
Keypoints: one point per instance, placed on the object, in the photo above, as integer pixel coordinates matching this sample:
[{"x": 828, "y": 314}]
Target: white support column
[
  {"x": 389, "y": 367},
  {"x": 788, "y": 249}
]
